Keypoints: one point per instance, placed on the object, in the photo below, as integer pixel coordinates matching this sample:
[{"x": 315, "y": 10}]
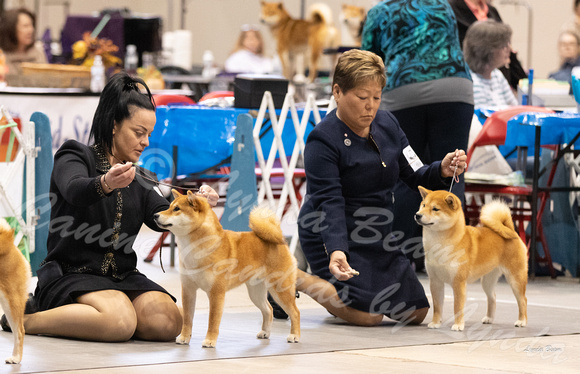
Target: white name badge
[{"x": 412, "y": 158}]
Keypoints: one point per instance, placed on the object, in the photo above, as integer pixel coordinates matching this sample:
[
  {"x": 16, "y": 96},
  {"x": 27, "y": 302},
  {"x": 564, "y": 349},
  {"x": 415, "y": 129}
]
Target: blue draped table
[
  {"x": 533, "y": 130},
  {"x": 204, "y": 137}
]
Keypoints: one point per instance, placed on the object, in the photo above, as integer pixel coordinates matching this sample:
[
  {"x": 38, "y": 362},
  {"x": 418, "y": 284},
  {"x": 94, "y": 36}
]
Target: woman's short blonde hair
[{"x": 355, "y": 67}]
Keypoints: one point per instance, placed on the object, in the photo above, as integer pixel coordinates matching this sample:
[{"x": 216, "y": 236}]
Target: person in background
[
  {"x": 248, "y": 54},
  {"x": 428, "y": 90},
  {"x": 469, "y": 11},
  {"x": 569, "y": 51},
  {"x": 353, "y": 159},
  {"x": 487, "y": 48},
  {"x": 17, "y": 39},
  {"x": 89, "y": 287}
]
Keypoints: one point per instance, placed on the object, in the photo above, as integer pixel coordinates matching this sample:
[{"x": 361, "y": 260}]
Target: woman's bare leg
[
  {"x": 158, "y": 317},
  {"x": 325, "y": 294},
  {"x": 107, "y": 316}
]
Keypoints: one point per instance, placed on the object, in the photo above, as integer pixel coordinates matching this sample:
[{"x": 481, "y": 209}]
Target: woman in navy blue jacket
[{"x": 353, "y": 159}]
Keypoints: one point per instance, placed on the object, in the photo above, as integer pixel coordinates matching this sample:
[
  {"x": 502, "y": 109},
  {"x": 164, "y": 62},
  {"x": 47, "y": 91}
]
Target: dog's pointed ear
[
  {"x": 423, "y": 191},
  {"x": 452, "y": 202},
  {"x": 192, "y": 200},
  {"x": 175, "y": 193}
]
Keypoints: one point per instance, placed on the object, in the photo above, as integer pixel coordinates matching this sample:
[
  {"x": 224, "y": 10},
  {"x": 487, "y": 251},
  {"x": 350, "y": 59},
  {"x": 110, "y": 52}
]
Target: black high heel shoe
[{"x": 31, "y": 308}]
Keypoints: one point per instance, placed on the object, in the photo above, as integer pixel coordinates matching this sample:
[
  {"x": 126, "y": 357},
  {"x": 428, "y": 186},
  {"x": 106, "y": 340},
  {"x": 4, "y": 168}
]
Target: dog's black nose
[
  {"x": 156, "y": 215},
  {"x": 418, "y": 217}
]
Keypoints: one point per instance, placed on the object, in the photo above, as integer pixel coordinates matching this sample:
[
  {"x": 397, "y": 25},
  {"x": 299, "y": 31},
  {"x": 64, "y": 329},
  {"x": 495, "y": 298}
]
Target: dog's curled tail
[
  {"x": 265, "y": 225},
  {"x": 496, "y": 215},
  {"x": 321, "y": 13}
]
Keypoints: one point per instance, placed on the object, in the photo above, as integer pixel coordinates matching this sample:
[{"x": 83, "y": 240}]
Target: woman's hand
[
  {"x": 339, "y": 266},
  {"x": 451, "y": 160},
  {"x": 210, "y": 194},
  {"x": 119, "y": 176}
]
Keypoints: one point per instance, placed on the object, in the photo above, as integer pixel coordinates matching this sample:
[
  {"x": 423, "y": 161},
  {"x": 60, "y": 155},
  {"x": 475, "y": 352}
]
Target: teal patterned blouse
[{"x": 417, "y": 39}]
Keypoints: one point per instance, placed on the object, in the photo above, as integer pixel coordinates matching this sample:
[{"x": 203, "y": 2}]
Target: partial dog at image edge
[
  {"x": 458, "y": 254},
  {"x": 217, "y": 260},
  {"x": 296, "y": 37},
  {"x": 14, "y": 278},
  {"x": 352, "y": 19}
]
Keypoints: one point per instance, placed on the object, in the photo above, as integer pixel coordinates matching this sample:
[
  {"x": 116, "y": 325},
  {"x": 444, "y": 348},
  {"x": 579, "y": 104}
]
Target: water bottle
[
  {"x": 97, "y": 75},
  {"x": 208, "y": 70},
  {"x": 131, "y": 59}
]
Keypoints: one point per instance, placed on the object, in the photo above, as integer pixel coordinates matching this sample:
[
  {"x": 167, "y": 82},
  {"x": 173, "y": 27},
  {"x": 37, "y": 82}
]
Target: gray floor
[{"x": 550, "y": 343}]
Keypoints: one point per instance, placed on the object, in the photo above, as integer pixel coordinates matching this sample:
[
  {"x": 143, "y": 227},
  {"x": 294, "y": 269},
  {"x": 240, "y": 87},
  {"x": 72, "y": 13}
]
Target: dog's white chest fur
[
  {"x": 441, "y": 263},
  {"x": 191, "y": 269}
]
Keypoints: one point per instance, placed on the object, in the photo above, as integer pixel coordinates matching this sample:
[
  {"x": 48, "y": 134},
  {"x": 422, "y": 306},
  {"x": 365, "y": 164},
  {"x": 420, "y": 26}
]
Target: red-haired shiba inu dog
[
  {"x": 352, "y": 18},
  {"x": 298, "y": 37},
  {"x": 217, "y": 260},
  {"x": 14, "y": 278},
  {"x": 457, "y": 254}
]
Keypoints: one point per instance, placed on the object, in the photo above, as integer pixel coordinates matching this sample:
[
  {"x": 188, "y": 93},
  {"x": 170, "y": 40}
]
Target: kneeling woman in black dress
[
  {"x": 89, "y": 286},
  {"x": 353, "y": 159}
]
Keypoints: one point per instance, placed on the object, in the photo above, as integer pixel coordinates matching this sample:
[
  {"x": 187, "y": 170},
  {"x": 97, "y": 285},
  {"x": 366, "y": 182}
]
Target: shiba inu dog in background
[
  {"x": 217, "y": 260},
  {"x": 296, "y": 37},
  {"x": 352, "y": 19},
  {"x": 14, "y": 278},
  {"x": 457, "y": 254}
]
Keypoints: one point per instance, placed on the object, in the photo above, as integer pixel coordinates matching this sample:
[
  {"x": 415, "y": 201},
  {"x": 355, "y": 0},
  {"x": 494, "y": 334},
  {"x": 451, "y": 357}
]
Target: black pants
[{"x": 433, "y": 130}]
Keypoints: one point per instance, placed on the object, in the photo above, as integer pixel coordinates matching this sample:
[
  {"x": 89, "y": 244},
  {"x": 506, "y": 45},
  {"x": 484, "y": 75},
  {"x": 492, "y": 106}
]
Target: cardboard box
[{"x": 249, "y": 90}]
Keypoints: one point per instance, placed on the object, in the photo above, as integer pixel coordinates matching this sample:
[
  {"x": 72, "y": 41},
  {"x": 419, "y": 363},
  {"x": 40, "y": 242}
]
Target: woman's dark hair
[
  {"x": 8, "y": 34},
  {"x": 118, "y": 100}
]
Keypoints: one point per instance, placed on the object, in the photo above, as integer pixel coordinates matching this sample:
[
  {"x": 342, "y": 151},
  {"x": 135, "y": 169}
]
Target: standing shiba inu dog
[
  {"x": 217, "y": 260},
  {"x": 298, "y": 37},
  {"x": 457, "y": 254},
  {"x": 14, "y": 278},
  {"x": 352, "y": 18}
]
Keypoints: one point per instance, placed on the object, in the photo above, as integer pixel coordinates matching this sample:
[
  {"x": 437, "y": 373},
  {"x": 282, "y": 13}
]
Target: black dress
[
  {"x": 91, "y": 234},
  {"x": 348, "y": 207}
]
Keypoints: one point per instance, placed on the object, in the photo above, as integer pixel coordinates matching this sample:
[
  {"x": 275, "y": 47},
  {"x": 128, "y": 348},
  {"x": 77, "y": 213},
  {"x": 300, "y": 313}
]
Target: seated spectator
[
  {"x": 486, "y": 48},
  {"x": 569, "y": 51},
  {"x": 469, "y": 11},
  {"x": 248, "y": 54},
  {"x": 17, "y": 39}
]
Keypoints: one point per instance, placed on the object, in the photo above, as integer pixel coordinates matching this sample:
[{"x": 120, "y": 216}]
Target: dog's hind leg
[
  {"x": 284, "y": 292},
  {"x": 517, "y": 279},
  {"x": 259, "y": 296},
  {"x": 15, "y": 315},
  {"x": 488, "y": 283}
]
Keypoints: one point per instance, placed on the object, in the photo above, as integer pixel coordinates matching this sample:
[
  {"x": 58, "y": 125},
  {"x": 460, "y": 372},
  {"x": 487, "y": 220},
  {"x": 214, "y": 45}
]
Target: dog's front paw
[
  {"x": 434, "y": 325},
  {"x": 486, "y": 320},
  {"x": 458, "y": 327},
  {"x": 13, "y": 360},
  {"x": 182, "y": 340},
  {"x": 208, "y": 343},
  {"x": 263, "y": 335},
  {"x": 520, "y": 323},
  {"x": 293, "y": 338}
]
